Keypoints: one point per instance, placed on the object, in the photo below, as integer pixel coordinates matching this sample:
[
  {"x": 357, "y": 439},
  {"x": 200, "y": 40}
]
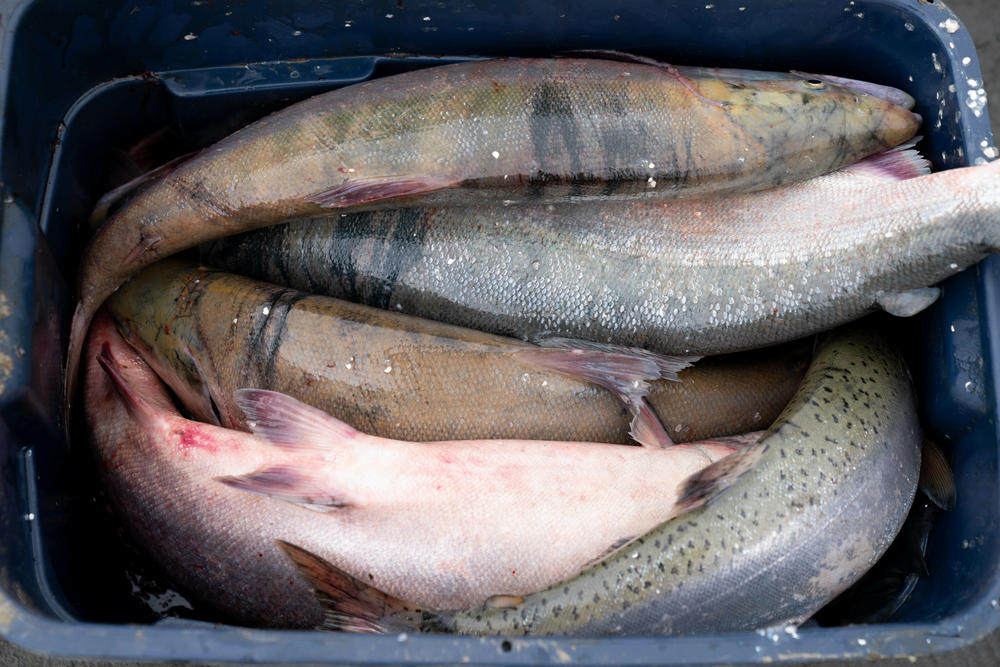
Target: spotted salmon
[
  {"x": 533, "y": 128},
  {"x": 208, "y": 333},
  {"x": 447, "y": 523},
  {"x": 770, "y": 534},
  {"x": 688, "y": 276}
]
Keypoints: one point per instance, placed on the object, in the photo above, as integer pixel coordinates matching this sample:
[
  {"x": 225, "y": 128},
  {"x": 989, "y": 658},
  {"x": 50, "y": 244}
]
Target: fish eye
[{"x": 814, "y": 84}]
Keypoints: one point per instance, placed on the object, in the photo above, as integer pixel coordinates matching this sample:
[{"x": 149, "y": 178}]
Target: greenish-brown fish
[
  {"x": 776, "y": 530},
  {"x": 208, "y": 333},
  {"x": 507, "y": 129},
  {"x": 687, "y": 276}
]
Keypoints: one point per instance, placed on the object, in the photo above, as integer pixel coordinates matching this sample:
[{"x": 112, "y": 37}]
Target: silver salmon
[
  {"x": 770, "y": 534},
  {"x": 447, "y": 523},
  {"x": 571, "y": 128},
  {"x": 688, "y": 276},
  {"x": 208, "y": 333}
]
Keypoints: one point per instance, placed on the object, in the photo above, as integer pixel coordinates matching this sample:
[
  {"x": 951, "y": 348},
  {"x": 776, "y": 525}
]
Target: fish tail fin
[
  {"x": 137, "y": 406},
  {"x": 712, "y": 480},
  {"x": 351, "y": 605},
  {"x": 297, "y": 484},
  {"x": 291, "y": 424}
]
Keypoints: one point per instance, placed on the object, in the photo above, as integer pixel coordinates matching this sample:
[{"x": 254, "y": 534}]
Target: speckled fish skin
[
  {"x": 833, "y": 481},
  {"x": 442, "y": 522},
  {"x": 506, "y": 128},
  {"x": 208, "y": 333},
  {"x": 689, "y": 276}
]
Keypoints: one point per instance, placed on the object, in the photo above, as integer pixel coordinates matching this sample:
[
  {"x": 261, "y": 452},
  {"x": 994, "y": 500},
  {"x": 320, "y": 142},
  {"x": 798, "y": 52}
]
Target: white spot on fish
[
  {"x": 265, "y": 310},
  {"x": 496, "y": 155},
  {"x": 188, "y": 37},
  {"x": 252, "y": 424},
  {"x": 387, "y": 369},
  {"x": 652, "y": 166},
  {"x": 545, "y": 383},
  {"x": 651, "y": 182},
  {"x": 966, "y": 60},
  {"x": 742, "y": 9},
  {"x": 950, "y": 26},
  {"x": 450, "y": 261},
  {"x": 953, "y": 266},
  {"x": 995, "y": 603},
  {"x": 235, "y": 320},
  {"x": 525, "y": 377}
]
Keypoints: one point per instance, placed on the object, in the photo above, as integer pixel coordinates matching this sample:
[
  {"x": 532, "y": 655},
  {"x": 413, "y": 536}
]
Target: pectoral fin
[
  {"x": 936, "y": 478},
  {"x": 352, "y": 606},
  {"x": 291, "y": 483},
  {"x": 367, "y": 190},
  {"x": 910, "y": 302},
  {"x": 289, "y": 423}
]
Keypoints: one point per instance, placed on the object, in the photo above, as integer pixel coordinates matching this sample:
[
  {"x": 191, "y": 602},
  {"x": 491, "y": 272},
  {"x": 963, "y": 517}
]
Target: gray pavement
[{"x": 982, "y": 18}]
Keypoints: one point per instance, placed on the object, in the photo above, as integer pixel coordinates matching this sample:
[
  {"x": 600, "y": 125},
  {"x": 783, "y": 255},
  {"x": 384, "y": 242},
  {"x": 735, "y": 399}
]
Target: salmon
[
  {"x": 538, "y": 129},
  {"x": 695, "y": 276},
  {"x": 770, "y": 533},
  {"x": 447, "y": 523},
  {"x": 208, "y": 333}
]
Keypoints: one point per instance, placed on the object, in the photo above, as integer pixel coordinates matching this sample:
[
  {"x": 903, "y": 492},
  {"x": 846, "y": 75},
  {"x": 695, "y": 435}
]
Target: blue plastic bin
[{"x": 81, "y": 80}]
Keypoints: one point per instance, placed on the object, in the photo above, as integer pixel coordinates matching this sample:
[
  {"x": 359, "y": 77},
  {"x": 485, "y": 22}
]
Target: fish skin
[
  {"x": 162, "y": 473},
  {"x": 688, "y": 276},
  {"x": 206, "y": 334},
  {"x": 602, "y": 128},
  {"x": 832, "y": 482}
]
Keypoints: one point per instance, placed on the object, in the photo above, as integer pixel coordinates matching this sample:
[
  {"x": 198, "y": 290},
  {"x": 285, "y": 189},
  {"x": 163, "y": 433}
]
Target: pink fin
[
  {"x": 140, "y": 409},
  {"x": 647, "y": 429},
  {"x": 365, "y": 190},
  {"x": 897, "y": 164},
  {"x": 712, "y": 480},
  {"x": 624, "y": 371},
  {"x": 291, "y": 483},
  {"x": 289, "y": 423},
  {"x": 352, "y": 606}
]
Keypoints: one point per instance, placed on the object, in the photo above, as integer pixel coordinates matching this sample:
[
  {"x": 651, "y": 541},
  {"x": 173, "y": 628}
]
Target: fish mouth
[{"x": 887, "y": 93}]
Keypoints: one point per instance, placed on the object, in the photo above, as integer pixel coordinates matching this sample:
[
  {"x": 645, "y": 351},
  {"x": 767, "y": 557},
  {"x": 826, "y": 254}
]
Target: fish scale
[
  {"x": 209, "y": 333},
  {"x": 500, "y": 129},
  {"x": 821, "y": 497},
  {"x": 687, "y": 276}
]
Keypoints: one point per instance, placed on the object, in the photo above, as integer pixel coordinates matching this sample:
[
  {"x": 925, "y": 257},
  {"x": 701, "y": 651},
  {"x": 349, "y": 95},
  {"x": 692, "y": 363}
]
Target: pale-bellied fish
[
  {"x": 208, "y": 333},
  {"x": 687, "y": 276},
  {"x": 448, "y": 523},
  {"x": 548, "y": 129},
  {"x": 774, "y": 531}
]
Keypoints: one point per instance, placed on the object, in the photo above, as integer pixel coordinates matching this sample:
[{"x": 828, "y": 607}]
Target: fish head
[
  {"x": 829, "y": 121},
  {"x": 145, "y": 314}
]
